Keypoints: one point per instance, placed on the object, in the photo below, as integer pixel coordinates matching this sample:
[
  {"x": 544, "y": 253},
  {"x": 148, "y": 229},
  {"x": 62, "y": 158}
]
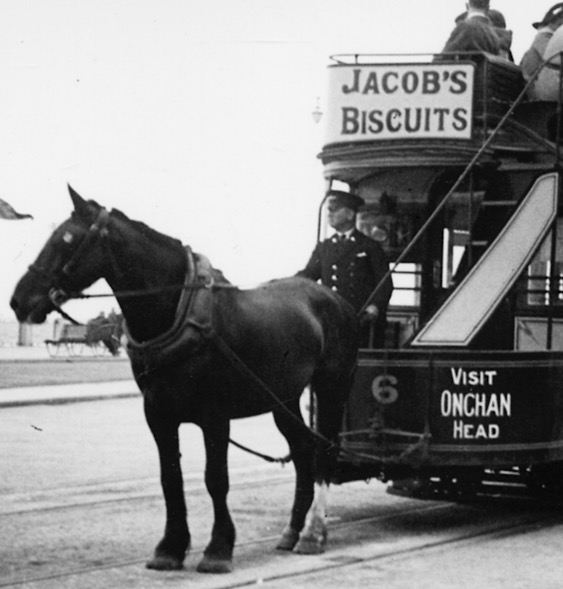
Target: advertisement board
[
  {"x": 503, "y": 405},
  {"x": 402, "y": 101}
]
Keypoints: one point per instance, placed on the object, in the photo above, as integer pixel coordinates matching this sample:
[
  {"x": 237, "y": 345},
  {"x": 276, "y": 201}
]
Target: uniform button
[
  {"x": 334, "y": 267},
  {"x": 334, "y": 277},
  {"x": 334, "y": 288}
]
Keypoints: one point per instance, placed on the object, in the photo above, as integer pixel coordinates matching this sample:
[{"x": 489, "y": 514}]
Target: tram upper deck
[
  {"x": 460, "y": 177},
  {"x": 429, "y": 112}
]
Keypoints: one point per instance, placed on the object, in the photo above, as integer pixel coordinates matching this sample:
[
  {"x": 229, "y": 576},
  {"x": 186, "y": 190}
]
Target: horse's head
[{"x": 70, "y": 261}]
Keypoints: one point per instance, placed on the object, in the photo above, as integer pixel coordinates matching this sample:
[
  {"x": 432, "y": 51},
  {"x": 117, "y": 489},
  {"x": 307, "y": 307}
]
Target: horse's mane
[
  {"x": 152, "y": 234},
  {"x": 202, "y": 261},
  {"x": 161, "y": 239}
]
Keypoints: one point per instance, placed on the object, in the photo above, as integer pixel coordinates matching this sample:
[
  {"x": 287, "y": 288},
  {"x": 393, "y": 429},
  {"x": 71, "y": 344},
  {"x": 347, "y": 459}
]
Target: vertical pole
[
  {"x": 553, "y": 274},
  {"x": 25, "y": 335},
  {"x": 553, "y": 291},
  {"x": 470, "y": 219}
]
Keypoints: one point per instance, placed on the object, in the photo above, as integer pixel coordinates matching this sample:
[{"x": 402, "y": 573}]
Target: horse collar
[{"x": 187, "y": 333}]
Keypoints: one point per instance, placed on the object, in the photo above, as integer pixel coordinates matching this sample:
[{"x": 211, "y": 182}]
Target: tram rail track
[
  {"x": 197, "y": 551},
  {"x": 292, "y": 568},
  {"x": 52, "y": 500}
]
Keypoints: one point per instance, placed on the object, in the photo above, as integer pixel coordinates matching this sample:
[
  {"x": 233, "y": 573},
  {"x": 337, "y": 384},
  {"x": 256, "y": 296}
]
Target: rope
[{"x": 283, "y": 461}]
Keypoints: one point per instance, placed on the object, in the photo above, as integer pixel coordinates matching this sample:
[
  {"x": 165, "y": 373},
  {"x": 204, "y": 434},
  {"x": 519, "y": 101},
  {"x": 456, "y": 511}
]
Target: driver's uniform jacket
[{"x": 352, "y": 268}]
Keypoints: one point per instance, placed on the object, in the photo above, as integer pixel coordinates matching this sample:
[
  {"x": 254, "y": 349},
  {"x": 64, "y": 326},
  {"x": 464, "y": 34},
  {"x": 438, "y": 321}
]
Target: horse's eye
[{"x": 68, "y": 237}]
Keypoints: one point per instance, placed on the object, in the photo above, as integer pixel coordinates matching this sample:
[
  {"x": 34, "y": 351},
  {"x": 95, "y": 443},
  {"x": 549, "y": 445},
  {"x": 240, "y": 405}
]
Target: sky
[{"x": 194, "y": 117}]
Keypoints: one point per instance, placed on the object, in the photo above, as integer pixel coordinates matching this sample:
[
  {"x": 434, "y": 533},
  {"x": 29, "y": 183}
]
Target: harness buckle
[{"x": 58, "y": 296}]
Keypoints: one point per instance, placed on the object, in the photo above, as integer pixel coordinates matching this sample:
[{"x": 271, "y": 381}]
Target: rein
[{"x": 58, "y": 297}]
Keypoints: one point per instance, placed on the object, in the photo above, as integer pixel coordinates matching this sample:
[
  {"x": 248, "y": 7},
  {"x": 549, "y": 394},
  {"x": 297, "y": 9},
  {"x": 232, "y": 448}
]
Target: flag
[{"x": 7, "y": 212}]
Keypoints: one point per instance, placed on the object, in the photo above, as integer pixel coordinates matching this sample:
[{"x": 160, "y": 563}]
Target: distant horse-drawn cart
[
  {"x": 99, "y": 336},
  {"x": 71, "y": 340}
]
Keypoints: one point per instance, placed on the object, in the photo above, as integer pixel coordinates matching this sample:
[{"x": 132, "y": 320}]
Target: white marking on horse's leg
[
  {"x": 313, "y": 537},
  {"x": 320, "y": 503}
]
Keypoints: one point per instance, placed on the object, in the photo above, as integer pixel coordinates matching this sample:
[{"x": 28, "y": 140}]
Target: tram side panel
[{"x": 500, "y": 409}]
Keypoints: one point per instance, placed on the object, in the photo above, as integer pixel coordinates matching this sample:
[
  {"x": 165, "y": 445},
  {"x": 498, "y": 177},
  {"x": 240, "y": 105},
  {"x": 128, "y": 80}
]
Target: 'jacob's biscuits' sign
[{"x": 403, "y": 101}]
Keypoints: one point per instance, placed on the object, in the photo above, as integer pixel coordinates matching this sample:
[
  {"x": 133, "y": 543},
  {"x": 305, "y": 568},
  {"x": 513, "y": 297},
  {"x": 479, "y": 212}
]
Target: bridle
[
  {"x": 57, "y": 295},
  {"x": 99, "y": 230}
]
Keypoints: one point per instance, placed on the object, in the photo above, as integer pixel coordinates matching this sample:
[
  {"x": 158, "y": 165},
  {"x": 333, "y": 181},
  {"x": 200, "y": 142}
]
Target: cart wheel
[
  {"x": 75, "y": 349},
  {"x": 52, "y": 349}
]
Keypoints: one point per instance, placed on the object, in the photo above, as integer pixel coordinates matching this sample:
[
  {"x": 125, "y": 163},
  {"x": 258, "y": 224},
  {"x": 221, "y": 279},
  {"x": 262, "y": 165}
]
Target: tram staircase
[{"x": 515, "y": 129}]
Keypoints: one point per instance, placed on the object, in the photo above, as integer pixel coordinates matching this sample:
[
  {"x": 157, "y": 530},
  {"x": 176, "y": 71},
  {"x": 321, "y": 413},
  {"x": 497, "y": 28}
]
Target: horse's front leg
[
  {"x": 218, "y": 556},
  {"x": 170, "y": 552}
]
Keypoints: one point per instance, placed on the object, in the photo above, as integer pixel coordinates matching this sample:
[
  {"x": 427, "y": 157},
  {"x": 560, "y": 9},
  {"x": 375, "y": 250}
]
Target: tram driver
[{"x": 352, "y": 264}]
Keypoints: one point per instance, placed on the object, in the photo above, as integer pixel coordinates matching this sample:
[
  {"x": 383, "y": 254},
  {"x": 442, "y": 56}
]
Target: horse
[
  {"x": 105, "y": 330},
  {"x": 204, "y": 351}
]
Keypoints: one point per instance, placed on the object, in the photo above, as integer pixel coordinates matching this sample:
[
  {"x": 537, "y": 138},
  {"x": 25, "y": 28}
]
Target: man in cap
[
  {"x": 352, "y": 264},
  {"x": 475, "y": 32},
  {"x": 498, "y": 22},
  {"x": 534, "y": 57}
]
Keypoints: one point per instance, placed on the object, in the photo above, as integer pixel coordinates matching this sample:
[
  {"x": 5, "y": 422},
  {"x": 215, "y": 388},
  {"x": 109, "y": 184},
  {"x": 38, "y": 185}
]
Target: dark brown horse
[{"x": 205, "y": 352}]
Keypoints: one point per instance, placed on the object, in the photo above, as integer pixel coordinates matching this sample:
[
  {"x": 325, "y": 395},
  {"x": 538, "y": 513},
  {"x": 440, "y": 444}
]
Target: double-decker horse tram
[{"x": 460, "y": 176}]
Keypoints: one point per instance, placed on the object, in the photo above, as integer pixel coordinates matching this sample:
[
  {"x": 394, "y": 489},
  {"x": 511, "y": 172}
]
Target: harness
[{"x": 185, "y": 335}]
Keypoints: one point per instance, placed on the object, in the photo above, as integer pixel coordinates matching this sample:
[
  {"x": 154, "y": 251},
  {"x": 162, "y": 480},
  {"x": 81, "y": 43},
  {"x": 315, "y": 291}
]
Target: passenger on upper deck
[
  {"x": 499, "y": 25},
  {"x": 547, "y": 83},
  {"x": 504, "y": 35},
  {"x": 533, "y": 58},
  {"x": 475, "y": 33}
]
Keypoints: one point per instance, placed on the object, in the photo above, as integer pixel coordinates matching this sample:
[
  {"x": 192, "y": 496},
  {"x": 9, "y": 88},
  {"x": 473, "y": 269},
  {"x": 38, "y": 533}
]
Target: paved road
[
  {"x": 79, "y": 490},
  {"x": 65, "y": 393}
]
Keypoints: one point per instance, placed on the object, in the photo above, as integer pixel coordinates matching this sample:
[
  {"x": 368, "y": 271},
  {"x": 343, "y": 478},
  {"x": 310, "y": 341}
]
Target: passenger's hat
[
  {"x": 497, "y": 18},
  {"x": 553, "y": 13},
  {"x": 346, "y": 199}
]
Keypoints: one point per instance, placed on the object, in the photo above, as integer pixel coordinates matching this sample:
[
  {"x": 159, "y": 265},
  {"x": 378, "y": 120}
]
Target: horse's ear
[{"x": 80, "y": 205}]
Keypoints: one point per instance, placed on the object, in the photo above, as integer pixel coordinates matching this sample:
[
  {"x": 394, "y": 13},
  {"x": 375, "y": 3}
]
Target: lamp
[{"x": 317, "y": 113}]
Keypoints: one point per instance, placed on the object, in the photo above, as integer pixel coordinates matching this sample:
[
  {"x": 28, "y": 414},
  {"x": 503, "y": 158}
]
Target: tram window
[
  {"x": 543, "y": 269},
  {"x": 406, "y": 285},
  {"x": 454, "y": 244}
]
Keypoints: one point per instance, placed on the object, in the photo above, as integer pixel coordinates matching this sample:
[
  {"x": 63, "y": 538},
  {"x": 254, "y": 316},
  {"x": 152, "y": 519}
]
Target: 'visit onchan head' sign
[{"x": 401, "y": 101}]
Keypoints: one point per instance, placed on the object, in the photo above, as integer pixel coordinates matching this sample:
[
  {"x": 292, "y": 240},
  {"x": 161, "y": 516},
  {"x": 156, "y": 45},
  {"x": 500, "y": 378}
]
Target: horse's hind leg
[
  {"x": 218, "y": 556},
  {"x": 170, "y": 552},
  {"x": 330, "y": 405},
  {"x": 301, "y": 448}
]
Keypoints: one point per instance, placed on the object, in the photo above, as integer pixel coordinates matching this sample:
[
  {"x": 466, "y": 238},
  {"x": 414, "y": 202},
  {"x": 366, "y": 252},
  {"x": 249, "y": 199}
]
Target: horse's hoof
[
  {"x": 310, "y": 545},
  {"x": 162, "y": 562},
  {"x": 288, "y": 539},
  {"x": 216, "y": 566}
]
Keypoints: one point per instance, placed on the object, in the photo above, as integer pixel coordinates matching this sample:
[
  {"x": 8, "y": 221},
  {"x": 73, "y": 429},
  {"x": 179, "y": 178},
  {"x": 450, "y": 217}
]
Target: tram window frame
[
  {"x": 538, "y": 291},
  {"x": 396, "y": 207},
  {"x": 457, "y": 234}
]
